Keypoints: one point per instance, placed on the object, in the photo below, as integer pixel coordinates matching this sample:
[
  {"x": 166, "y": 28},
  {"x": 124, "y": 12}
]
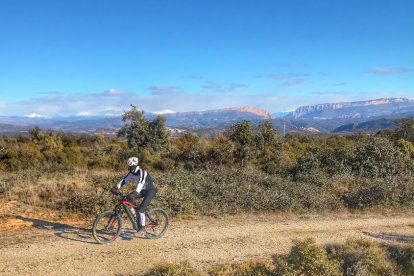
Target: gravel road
[{"x": 40, "y": 247}]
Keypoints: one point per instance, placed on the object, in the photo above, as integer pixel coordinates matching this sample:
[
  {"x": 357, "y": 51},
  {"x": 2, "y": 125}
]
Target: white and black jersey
[{"x": 142, "y": 178}]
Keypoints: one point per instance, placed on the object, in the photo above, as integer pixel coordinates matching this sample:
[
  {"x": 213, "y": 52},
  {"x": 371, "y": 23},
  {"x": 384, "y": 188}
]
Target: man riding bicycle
[{"x": 145, "y": 189}]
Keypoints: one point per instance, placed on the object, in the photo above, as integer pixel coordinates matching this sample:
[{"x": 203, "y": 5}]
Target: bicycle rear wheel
[
  {"x": 106, "y": 227},
  {"x": 157, "y": 222}
]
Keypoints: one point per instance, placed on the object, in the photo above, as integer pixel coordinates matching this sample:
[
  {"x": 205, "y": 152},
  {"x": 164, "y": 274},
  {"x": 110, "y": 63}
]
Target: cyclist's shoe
[{"x": 141, "y": 233}]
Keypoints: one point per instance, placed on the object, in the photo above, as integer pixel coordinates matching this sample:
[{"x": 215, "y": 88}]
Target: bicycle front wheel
[
  {"x": 106, "y": 227},
  {"x": 157, "y": 223}
]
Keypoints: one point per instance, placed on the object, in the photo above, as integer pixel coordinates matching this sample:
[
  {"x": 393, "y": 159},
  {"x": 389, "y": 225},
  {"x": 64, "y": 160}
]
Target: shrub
[
  {"x": 406, "y": 147},
  {"x": 404, "y": 257},
  {"x": 243, "y": 269},
  {"x": 306, "y": 258},
  {"x": 176, "y": 191},
  {"x": 405, "y": 129},
  {"x": 103, "y": 180},
  {"x": 388, "y": 192},
  {"x": 364, "y": 197},
  {"x": 377, "y": 157},
  {"x": 182, "y": 269},
  {"x": 363, "y": 257},
  {"x": 88, "y": 204},
  {"x": 357, "y": 257},
  {"x": 224, "y": 191},
  {"x": 276, "y": 163}
]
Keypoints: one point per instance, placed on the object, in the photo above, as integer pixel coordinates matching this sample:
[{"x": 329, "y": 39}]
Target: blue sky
[{"x": 98, "y": 57}]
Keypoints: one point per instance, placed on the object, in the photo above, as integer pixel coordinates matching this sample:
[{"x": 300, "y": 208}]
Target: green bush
[
  {"x": 388, "y": 192},
  {"x": 377, "y": 157},
  {"x": 308, "y": 259},
  {"x": 363, "y": 257},
  {"x": 89, "y": 204},
  {"x": 404, "y": 258}
]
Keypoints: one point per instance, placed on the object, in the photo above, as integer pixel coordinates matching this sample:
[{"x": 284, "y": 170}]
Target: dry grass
[{"x": 52, "y": 189}]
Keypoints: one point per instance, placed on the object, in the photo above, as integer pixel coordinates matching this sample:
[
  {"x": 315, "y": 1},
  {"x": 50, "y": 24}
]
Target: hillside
[
  {"x": 219, "y": 118},
  {"x": 368, "y": 126},
  {"x": 10, "y": 128}
]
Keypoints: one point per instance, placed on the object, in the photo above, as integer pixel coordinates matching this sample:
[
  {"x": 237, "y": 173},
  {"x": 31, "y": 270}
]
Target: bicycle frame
[{"x": 123, "y": 206}]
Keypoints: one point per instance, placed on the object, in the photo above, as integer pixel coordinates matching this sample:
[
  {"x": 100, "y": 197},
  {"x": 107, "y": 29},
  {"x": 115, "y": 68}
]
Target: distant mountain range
[
  {"x": 219, "y": 118},
  {"x": 371, "y": 115},
  {"x": 357, "y": 110}
]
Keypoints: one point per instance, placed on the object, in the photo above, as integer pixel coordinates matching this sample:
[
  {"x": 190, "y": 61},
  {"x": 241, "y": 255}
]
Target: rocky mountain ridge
[
  {"x": 359, "y": 109},
  {"x": 248, "y": 109}
]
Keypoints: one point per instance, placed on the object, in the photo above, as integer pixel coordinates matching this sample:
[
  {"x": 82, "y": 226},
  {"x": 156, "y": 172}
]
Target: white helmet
[
  {"x": 132, "y": 164},
  {"x": 132, "y": 161}
]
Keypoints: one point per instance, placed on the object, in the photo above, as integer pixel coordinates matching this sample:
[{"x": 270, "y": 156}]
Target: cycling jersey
[{"x": 142, "y": 178}]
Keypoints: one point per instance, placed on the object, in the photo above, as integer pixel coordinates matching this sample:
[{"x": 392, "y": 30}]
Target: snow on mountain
[{"x": 35, "y": 115}]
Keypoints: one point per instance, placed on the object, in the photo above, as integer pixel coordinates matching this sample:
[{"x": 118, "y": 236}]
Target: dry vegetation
[
  {"x": 241, "y": 170},
  {"x": 355, "y": 257}
]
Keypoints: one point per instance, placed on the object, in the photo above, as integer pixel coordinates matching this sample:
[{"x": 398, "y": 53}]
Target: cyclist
[{"x": 145, "y": 189}]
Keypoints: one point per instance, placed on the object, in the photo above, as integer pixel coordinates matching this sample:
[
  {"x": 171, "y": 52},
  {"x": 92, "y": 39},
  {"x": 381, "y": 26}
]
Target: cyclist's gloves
[{"x": 132, "y": 196}]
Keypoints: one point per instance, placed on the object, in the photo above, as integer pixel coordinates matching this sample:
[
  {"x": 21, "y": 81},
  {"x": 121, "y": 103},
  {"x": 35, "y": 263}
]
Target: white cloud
[
  {"x": 84, "y": 113},
  {"x": 165, "y": 111},
  {"x": 112, "y": 114},
  {"x": 382, "y": 70},
  {"x": 54, "y": 103}
]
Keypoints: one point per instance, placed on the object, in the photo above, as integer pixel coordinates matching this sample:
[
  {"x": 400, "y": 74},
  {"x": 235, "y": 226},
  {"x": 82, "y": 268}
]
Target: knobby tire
[
  {"x": 107, "y": 227},
  {"x": 157, "y": 222}
]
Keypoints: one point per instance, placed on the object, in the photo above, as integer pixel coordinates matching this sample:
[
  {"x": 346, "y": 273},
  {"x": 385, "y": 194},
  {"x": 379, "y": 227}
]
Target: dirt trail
[{"x": 52, "y": 248}]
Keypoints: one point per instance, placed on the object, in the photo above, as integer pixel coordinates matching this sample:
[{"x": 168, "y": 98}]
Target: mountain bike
[{"x": 108, "y": 225}]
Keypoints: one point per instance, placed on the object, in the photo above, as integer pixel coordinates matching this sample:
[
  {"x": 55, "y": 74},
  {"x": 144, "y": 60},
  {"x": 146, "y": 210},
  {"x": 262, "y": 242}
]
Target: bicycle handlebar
[{"x": 117, "y": 193}]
